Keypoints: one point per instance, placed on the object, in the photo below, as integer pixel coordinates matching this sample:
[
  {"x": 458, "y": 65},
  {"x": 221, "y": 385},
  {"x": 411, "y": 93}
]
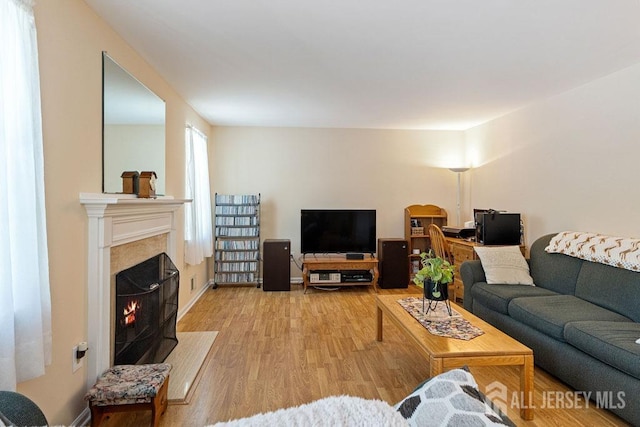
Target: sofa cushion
[
  {"x": 557, "y": 272},
  {"x": 550, "y": 314},
  {"x": 614, "y": 288},
  {"x": 504, "y": 265},
  {"x": 613, "y": 343},
  {"x": 497, "y": 297}
]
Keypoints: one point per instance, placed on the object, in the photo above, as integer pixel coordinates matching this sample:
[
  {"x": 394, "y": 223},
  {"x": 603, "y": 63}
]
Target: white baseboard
[
  {"x": 84, "y": 419},
  {"x": 195, "y": 299},
  {"x": 293, "y": 281}
]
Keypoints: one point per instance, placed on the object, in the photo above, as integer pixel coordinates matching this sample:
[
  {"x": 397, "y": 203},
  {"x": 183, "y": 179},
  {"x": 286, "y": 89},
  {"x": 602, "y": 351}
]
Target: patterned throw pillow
[
  {"x": 504, "y": 265},
  {"x": 451, "y": 399}
]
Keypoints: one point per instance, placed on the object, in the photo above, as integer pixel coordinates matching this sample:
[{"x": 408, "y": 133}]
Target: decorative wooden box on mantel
[
  {"x": 130, "y": 182},
  {"x": 147, "y": 184}
]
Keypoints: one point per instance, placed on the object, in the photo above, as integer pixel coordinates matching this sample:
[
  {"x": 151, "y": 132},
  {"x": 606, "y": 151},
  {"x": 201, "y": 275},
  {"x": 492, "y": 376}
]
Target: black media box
[{"x": 495, "y": 228}]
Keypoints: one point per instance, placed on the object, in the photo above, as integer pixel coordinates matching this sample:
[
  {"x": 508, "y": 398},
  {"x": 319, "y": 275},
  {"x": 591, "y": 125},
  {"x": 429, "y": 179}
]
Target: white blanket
[
  {"x": 345, "y": 411},
  {"x": 622, "y": 252}
]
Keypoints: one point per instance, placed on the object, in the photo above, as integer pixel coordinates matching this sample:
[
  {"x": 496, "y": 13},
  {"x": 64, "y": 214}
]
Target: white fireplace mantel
[{"x": 116, "y": 219}]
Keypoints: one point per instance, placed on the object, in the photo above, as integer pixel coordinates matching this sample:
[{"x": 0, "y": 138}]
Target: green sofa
[{"x": 581, "y": 319}]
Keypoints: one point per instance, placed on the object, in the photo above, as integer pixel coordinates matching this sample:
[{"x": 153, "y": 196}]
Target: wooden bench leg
[
  {"x": 97, "y": 414},
  {"x": 159, "y": 404}
]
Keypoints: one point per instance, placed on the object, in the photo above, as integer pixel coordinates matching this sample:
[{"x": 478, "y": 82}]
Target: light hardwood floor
[{"x": 281, "y": 349}]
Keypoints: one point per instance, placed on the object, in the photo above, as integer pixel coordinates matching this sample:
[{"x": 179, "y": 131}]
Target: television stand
[{"x": 340, "y": 263}]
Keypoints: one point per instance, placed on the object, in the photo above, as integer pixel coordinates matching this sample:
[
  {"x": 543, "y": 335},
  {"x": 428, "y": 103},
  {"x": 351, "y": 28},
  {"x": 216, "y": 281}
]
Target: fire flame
[{"x": 130, "y": 312}]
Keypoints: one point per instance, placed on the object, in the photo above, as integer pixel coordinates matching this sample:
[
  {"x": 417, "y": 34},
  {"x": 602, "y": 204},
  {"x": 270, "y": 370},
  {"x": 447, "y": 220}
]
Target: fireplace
[
  {"x": 146, "y": 310},
  {"x": 114, "y": 222}
]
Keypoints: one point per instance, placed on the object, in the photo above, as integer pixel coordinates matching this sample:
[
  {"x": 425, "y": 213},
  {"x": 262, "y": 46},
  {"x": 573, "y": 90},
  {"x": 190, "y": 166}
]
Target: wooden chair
[
  {"x": 440, "y": 248},
  {"x": 439, "y": 244}
]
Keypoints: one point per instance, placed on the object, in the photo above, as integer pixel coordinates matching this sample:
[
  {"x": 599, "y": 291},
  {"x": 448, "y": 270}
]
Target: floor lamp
[{"x": 459, "y": 172}]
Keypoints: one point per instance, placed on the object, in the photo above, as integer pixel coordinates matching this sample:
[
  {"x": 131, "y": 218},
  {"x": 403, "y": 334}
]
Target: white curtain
[
  {"x": 25, "y": 303},
  {"x": 198, "y": 223}
]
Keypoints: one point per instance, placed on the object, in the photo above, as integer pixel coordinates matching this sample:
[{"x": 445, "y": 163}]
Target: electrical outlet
[
  {"x": 75, "y": 362},
  {"x": 193, "y": 283}
]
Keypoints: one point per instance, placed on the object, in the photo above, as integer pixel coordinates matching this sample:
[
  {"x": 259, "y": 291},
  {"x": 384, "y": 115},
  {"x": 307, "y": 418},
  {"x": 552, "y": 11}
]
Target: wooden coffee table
[{"x": 493, "y": 348}]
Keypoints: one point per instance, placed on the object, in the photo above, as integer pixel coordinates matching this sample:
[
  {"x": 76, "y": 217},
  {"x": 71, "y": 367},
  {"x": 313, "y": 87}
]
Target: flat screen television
[{"x": 337, "y": 231}]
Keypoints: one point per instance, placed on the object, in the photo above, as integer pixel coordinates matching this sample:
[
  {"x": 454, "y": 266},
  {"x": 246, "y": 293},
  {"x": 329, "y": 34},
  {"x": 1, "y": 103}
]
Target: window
[
  {"x": 198, "y": 228},
  {"x": 25, "y": 303}
]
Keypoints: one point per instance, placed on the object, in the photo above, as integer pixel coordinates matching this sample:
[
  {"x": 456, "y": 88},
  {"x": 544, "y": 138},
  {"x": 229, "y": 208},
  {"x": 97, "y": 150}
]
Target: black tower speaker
[
  {"x": 277, "y": 265},
  {"x": 393, "y": 266}
]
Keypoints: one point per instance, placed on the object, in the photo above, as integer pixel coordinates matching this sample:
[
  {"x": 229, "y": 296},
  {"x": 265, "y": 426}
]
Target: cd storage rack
[{"x": 237, "y": 239}]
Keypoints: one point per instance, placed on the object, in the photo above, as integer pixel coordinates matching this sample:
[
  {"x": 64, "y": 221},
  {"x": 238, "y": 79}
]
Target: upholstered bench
[{"x": 130, "y": 388}]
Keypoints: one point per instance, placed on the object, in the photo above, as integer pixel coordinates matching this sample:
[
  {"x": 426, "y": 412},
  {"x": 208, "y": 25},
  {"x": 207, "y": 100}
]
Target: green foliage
[{"x": 434, "y": 268}]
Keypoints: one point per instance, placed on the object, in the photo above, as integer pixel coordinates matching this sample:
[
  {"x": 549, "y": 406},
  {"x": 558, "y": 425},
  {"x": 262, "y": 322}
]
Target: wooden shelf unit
[
  {"x": 416, "y": 222},
  {"x": 237, "y": 239}
]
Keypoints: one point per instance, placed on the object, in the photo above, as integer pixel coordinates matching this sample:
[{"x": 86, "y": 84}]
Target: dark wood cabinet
[
  {"x": 276, "y": 269},
  {"x": 393, "y": 263}
]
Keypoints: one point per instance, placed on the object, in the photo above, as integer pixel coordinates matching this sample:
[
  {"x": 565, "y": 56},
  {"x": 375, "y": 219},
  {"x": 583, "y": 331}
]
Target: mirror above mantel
[{"x": 133, "y": 128}]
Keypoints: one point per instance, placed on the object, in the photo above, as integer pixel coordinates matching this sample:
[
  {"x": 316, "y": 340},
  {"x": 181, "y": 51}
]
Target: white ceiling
[{"x": 382, "y": 64}]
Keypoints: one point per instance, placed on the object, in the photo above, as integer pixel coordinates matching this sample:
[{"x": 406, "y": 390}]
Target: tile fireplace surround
[{"x": 116, "y": 220}]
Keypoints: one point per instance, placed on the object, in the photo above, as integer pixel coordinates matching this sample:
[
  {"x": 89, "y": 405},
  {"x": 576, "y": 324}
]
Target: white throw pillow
[{"x": 504, "y": 265}]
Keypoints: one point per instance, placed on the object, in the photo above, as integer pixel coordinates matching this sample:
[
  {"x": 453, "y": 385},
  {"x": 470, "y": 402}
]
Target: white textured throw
[
  {"x": 622, "y": 252},
  {"x": 346, "y": 411}
]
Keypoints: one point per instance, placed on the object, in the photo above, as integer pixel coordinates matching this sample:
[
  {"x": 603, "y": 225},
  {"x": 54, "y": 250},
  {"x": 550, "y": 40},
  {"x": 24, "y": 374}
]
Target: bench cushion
[
  {"x": 550, "y": 314},
  {"x": 128, "y": 384},
  {"x": 613, "y": 343}
]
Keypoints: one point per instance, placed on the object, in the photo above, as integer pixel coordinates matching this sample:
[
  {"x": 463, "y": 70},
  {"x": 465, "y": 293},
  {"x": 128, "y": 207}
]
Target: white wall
[
  {"x": 298, "y": 168},
  {"x": 71, "y": 38},
  {"x": 567, "y": 163},
  {"x": 133, "y": 148}
]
